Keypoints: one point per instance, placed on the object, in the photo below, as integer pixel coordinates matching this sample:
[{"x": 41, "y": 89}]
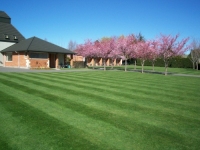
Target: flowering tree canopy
[
  {"x": 154, "y": 53},
  {"x": 169, "y": 48},
  {"x": 127, "y": 47},
  {"x": 105, "y": 48},
  {"x": 143, "y": 52}
]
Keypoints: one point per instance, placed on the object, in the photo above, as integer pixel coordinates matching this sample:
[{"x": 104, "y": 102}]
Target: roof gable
[
  {"x": 35, "y": 44},
  {"x": 3, "y": 14},
  {"x": 8, "y": 33},
  {"x": 4, "y": 17}
]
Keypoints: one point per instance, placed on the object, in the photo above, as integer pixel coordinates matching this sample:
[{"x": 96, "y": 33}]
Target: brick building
[{"x": 16, "y": 51}]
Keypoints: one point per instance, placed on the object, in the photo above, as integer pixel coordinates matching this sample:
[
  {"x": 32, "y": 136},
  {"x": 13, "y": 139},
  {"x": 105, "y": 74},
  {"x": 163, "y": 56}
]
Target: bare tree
[
  {"x": 194, "y": 55},
  {"x": 72, "y": 45},
  {"x": 197, "y": 54}
]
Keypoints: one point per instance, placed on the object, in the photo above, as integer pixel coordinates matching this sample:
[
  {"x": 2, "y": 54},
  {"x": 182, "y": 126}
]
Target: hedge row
[
  {"x": 174, "y": 63},
  {"x": 79, "y": 64}
]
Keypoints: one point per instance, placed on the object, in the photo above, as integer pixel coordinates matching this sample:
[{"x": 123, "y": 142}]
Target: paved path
[
  {"x": 169, "y": 73},
  {"x": 187, "y": 75},
  {"x": 9, "y": 69}
]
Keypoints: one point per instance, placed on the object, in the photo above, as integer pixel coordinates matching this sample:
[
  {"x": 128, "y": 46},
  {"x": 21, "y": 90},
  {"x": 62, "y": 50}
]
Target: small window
[
  {"x": 9, "y": 56},
  {"x": 6, "y": 36},
  {"x": 38, "y": 55},
  {"x": 15, "y": 37}
]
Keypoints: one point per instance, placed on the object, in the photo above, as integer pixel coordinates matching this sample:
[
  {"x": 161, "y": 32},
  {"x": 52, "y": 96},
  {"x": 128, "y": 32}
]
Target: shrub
[
  {"x": 176, "y": 62},
  {"x": 79, "y": 64}
]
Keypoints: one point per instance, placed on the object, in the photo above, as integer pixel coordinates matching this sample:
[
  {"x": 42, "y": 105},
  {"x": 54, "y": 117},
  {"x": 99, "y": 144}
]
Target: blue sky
[{"x": 60, "y": 21}]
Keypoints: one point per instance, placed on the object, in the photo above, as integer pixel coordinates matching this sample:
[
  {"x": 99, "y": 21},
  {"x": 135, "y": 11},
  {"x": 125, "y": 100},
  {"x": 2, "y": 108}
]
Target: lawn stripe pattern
[{"x": 99, "y": 110}]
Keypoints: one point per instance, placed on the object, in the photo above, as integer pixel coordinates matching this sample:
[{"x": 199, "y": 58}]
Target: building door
[{"x": 52, "y": 58}]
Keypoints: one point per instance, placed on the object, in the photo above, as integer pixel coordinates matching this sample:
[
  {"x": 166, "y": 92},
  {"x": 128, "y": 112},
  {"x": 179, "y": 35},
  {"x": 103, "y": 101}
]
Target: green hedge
[
  {"x": 79, "y": 64},
  {"x": 174, "y": 63}
]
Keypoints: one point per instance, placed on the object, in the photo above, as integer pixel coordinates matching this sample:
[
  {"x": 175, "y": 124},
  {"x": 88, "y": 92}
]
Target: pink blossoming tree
[
  {"x": 114, "y": 55},
  {"x": 143, "y": 52},
  {"x": 125, "y": 47},
  {"x": 87, "y": 50},
  {"x": 169, "y": 47},
  {"x": 105, "y": 48},
  {"x": 154, "y": 52}
]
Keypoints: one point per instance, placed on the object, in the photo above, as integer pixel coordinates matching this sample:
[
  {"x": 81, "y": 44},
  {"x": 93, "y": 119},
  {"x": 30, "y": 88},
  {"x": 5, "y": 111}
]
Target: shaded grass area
[{"x": 98, "y": 110}]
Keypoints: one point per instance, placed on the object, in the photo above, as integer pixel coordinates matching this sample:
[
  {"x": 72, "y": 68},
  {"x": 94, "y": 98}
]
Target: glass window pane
[
  {"x": 38, "y": 55},
  {"x": 9, "y": 56}
]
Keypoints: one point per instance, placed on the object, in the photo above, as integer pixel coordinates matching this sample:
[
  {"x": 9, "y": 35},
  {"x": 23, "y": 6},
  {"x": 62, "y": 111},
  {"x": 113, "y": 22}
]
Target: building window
[
  {"x": 38, "y": 55},
  {"x": 6, "y": 36},
  {"x": 15, "y": 37},
  {"x": 9, "y": 56}
]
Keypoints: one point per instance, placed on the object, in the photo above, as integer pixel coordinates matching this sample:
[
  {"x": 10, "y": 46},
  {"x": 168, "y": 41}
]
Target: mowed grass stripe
[
  {"x": 101, "y": 114},
  {"x": 105, "y": 99},
  {"x": 4, "y": 143},
  {"x": 147, "y": 99},
  {"x": 132, "y": 88},
  {"x": 130, "y": 121},
  {"x": 135, "y": 84},
  {"x": 35, "y": 126},
  {"x": 134, "y": 107},
  {"x": 55, "y": 97},
  {"x": 124, "y": 77},
  {"x": 162, "y": 86},
  {"x": 98, "y": 132},
  {"x": 140, "y": 134}
]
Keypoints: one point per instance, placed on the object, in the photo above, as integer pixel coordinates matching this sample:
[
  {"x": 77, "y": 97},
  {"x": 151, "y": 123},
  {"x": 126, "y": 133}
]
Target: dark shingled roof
[
  {"x": 11, "y": 31},
  {"x": 4, "y": 15},
  {"x": 8, "y": 32},
  {"x": 35, "y": 44}
]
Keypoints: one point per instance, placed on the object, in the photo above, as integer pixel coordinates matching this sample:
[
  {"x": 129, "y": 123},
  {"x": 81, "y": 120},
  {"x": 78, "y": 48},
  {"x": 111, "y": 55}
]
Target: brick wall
[
  {"x": 39, "y": 63},
  {"x": 99, "y": 62},
  {"x": 18, "y": 60},
  {"x": 78, "y": 58}
]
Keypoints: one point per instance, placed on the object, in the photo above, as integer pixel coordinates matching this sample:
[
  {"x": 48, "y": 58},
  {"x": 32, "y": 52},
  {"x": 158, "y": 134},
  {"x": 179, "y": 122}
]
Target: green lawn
[
  {"x": 157, "y": 69},
  {"x": 99, "y": 110}
]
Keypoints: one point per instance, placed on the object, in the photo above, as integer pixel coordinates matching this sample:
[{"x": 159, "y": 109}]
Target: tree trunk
[
  {"x": 135, "y": 65},
  {"x": 104, "y": 61},
  {"x": 142, "y": 67},
  {"x": 125, "y": 64},
  {"x": 94, "y": 62},
  {"x": 112, "y": 63},
  {"x": 193, "y": 65},
  {"x": 197, "y": 64},
  {"x": 153, "y": 66},
  {"x": 166, "y": 66},
  {"x": 142, "y": 63}
]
